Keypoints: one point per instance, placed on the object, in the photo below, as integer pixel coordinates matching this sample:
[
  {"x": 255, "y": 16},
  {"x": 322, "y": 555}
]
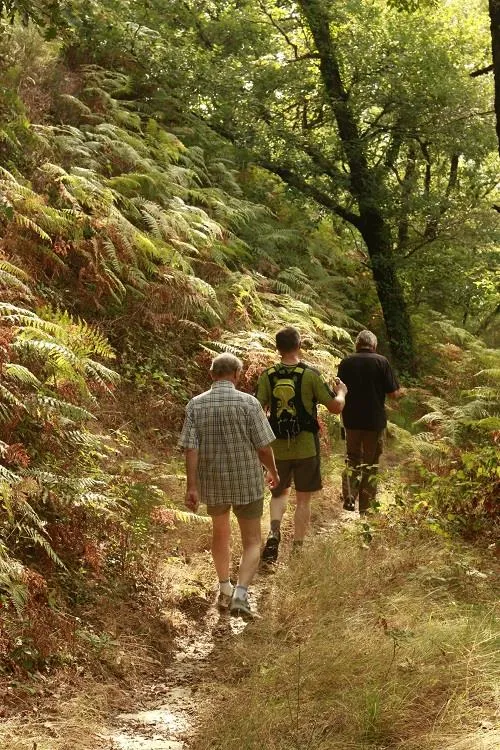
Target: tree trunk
[
  {"x": 494, "y": 6},
  {"x": 364, "y": 187},
  {"x": 377, "y": 238}
]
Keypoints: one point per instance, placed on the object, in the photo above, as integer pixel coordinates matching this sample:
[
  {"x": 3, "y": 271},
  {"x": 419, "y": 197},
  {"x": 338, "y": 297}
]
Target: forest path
[{"x": 168, "y": 711}]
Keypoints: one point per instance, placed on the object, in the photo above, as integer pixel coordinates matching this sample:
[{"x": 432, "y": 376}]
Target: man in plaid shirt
[{"x": 227, "y": 437}]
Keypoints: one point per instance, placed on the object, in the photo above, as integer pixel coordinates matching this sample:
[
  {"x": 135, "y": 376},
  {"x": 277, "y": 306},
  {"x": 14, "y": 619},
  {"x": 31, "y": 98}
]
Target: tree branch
[
  {"x": 406, "y": 190},
  {"x": 482, "y": 71},
  {"x": 283, "y": 33},
  {"x": 296, "y": 181},
  {"x": 362, "y": 179},
  {"x": 198, "y": 26},
  {"x": 488, "y": 320},
  {"x": 453, "y": 176}
]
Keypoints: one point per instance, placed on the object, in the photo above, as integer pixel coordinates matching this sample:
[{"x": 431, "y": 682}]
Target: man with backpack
[
  {"x": 370, "y": 378},
  {"x": 289, "y": 392}
]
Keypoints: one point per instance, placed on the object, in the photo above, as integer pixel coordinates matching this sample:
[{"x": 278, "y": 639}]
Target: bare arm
[
  {"x": 397, "y": 394},
  {"x": 266, "y": 457},
  {"x": 336, "y": 405},
  {"x": 192, "y": 500}
]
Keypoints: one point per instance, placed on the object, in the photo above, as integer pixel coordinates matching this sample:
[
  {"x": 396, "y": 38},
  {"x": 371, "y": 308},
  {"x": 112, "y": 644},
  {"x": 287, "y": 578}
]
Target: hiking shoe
[
  {"x": 349, "y": 505},
  {"x": 270, "y": 551},
  {"x": 240, "y": 607},
  {"x": 224, "y": 600}
]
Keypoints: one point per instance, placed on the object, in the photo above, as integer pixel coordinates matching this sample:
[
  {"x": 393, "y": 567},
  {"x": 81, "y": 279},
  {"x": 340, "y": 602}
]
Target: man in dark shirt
[{"x": 368, "y": 377}]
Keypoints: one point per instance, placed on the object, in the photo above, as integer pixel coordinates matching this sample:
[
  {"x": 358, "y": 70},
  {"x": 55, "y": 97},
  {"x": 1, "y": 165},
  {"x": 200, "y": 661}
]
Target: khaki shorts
[
  {"x": 249, "y": 511},
  {"x": 306, "y": 474}
]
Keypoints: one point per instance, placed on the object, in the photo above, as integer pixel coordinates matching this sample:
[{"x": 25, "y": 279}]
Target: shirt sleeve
[
  {"x": 260, "y": 430},
  {"x": 189, "y": 436},
  {"x": 263, "y": 393},
  {"x": 323, "y": 394},
  {"x": 391, "y": 383}
]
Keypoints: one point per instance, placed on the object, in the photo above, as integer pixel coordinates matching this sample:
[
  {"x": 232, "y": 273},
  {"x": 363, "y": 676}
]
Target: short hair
[
  {"x": 366, "y": 340},
  {"x": 225, "y": 364},
  {"x": 287, "y": 340}
]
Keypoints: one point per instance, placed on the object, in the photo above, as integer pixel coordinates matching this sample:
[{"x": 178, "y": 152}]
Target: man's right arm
[
  {"x": 192, "y": 500},
  {"x": 190, "y": 442},
  {"x": 262, "y": 393},
  {"x": 262, "y": 436}
]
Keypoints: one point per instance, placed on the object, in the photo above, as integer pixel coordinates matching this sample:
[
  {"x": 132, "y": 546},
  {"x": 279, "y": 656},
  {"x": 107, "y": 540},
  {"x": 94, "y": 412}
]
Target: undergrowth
[{"x": 378, "y": 637}]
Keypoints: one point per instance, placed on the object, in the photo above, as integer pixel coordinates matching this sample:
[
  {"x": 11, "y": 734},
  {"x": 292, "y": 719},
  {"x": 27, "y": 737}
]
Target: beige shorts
[{"x": 249, "y": 511}]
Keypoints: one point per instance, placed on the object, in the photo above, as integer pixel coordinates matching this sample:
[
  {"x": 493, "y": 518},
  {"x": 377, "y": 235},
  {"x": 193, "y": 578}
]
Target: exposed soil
[{"x": 168, "y": 710}]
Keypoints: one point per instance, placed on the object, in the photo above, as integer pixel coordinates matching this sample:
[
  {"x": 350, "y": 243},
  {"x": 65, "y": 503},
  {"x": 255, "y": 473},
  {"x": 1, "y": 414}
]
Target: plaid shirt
[{"x": 227, "y": 427}]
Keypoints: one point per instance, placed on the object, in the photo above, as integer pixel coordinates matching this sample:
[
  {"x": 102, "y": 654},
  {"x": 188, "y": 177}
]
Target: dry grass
[
  {"x": 72, "y": 719},
  {"x": 128, "y": 643},
  {"x": 385, "y": 645}
]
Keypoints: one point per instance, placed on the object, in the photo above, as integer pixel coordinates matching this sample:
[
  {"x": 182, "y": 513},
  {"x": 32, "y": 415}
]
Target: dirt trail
[{"x": 168, "y": 711}]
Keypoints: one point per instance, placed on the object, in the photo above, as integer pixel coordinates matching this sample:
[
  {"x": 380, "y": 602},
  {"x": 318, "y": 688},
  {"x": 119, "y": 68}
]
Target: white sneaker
[
  {"x": 224, "y": 600},
  {"x": 241, "y": 607}
]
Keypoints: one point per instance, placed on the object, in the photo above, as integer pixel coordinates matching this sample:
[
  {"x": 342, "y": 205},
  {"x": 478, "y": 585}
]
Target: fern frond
[
  {"x": 21, "y": 374},
  {"x": 27, "y": 223},
  {"x": 70, "y": 411},
  {"x": 37, "y": 538}
]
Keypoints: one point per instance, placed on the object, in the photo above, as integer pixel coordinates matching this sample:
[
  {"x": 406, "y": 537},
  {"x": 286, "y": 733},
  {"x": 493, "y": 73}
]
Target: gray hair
[
  {"x": 225, "y": 364},
  {"x": 366, "y": 340}
]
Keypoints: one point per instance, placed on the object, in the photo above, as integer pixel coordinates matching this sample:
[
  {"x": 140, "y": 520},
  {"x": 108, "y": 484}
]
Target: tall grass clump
[{"x": 388, "y": 643}]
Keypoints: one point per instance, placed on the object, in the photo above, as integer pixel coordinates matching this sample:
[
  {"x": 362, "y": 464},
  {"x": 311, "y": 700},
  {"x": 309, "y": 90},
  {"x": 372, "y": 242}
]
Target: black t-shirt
[{"x": 368, "y": 377}]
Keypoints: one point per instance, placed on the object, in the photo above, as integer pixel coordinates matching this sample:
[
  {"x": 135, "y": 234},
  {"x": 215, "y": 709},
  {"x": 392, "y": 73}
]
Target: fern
[{"x": 21, "y": 374}]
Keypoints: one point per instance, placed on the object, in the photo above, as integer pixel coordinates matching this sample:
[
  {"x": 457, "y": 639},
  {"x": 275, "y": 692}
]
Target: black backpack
[{"x": 288, "y": 415}]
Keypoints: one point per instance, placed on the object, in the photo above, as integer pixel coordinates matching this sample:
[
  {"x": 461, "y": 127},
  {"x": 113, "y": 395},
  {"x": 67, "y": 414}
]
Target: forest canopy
[{"x": 366, "y": 111}]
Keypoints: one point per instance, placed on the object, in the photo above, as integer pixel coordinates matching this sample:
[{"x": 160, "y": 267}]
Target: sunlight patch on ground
[{"x": 126, "y": 742}]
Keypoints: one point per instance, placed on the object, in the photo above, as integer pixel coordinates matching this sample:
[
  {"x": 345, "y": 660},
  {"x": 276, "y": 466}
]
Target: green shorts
[
  {"x": 249, "y": 511},
  {"x": 306, "y": 474}
]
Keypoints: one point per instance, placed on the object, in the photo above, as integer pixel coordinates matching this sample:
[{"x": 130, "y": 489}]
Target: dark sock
[{"x": 275, "y": 527}]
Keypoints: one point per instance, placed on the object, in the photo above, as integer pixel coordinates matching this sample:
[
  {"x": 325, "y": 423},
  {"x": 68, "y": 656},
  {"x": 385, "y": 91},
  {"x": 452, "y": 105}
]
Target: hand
[
  {"x": 192, "y": 500},
  {"x": 273, "y": 479},
  {"x": 340, "y": 387}
]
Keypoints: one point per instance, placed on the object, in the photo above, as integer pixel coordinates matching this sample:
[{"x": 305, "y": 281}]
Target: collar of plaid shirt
[{"x": 221, "y": 383}]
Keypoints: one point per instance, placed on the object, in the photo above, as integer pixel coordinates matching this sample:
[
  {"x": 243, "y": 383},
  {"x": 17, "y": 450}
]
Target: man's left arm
[
  {"x": 323, "y": 394},
  {"x": 392, "y": 387}
]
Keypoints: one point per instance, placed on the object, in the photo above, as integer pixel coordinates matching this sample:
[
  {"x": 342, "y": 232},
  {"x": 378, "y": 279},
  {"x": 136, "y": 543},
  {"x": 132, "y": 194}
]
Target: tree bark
[
  {"x": 494, "y": 7},
  {"x": 365, "y": 187}
]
